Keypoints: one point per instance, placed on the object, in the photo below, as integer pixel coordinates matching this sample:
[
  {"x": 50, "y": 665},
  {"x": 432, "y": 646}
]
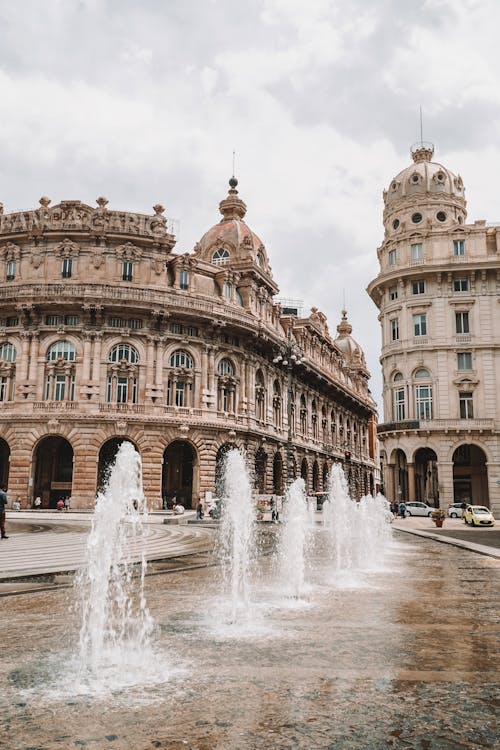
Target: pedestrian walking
[
  {"x": 402, "y": 510},
  {"x": 37, "y": 502},
  {"x": 67, "y": 503},
  {"x": 3, "y": 505},
  {"x": 395, "y": 508},
  {"x": 199, "y": 511}
]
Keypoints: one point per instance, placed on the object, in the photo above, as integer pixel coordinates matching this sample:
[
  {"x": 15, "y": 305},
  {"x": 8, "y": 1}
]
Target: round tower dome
[
  {"x": 348, "y": 345},
  {"x": 424, "y": 194},
  {"x": 232, "y": 239}
]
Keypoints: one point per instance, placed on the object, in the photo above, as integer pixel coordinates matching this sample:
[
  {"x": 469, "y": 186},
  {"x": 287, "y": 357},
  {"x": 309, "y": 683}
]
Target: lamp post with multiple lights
[{"x": 289, "y": 357}]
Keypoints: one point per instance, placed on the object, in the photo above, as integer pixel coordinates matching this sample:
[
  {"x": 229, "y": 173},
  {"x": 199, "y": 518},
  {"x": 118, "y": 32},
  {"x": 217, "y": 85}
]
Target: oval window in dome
[
  {"x": 395, "y": 224},
  {"x": 416, "y": 218},
  {"x": 441, "y": 216},
  {"x": 415, "y": 178},
  {"x": 440, "y": 177}
]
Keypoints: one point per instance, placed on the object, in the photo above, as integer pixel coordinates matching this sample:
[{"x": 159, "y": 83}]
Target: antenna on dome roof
[
  {"x": 234, "y": 159},
  {"x": 421, "y": 127},
  {"x": 422, "y": 151}
]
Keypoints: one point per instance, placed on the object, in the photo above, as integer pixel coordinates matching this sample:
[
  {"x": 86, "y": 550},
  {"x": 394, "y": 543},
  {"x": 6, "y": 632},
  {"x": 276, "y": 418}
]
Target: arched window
[
  {"x": 7, "y": 371},
  {"x": 124, "y": 352},
  {"x": 303, "y": 415},
  {"x": 399, "y": 399},
  {"x": 260, "y": 396},
  {"x": 226, "y": 390},
  {"x": 423, "y": 394},
  {"x": 277, "y": 404},
  {"x": 8, "y": 352},
  {"x": 180, "y": 358},
  {"x": 60, "y": 372},
  {"x": 220, "y": 257},
  {"x": 180, "y": 380},
  {"x": 314, "y": 419},
  {"x": 61, "y": 350},
  {"x": 238, "y": 297}
]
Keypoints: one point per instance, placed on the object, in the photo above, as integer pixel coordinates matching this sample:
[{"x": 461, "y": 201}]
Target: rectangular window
[
  {"x": 462, "y": 322},
  {"x": 135, "y": 323},
  {"x": 460, "y": 285},
  {"x": 3, "y": 388},
  {"x": 59, "y": 387},
  {"x": 184, "y": 280},
  {"x": 393, "y": 292},
  {"x": 47, "y": 388},
  {"x": 395, "y": 329},
  {"x": 54, "y": 320},
  {"x": 180, "y": 393},
  {"x": 458, "y": 247},
  {"x": 466, "y": 406},
  {"x": 109, "y": 389},
  {"x": 464, "y": 361},
  {"x": 175, "y": 328},
  {"x": 418, "y": 287},
  {"x": 72, "y": 320},
  {"x": 191, "y": 331},
  {"x": 117, "y": 323},
  {"x": 128, "y": 268},
  {"x": 423, "y": 401},
  {"x": 227, "y": 292},
  {"x": 72, "y": 388},
  {"x": 11, "y": 270},
  {"x": 122, "y": 390},
  {"x": 417, "y": 252},
  {"x": 12, "y": 322},
  {"x": 420, "y": 325},
  {"x": 67, "y": 268},
  {"x": 392, "y": 257},
  {"x": 399, "y": 405}
]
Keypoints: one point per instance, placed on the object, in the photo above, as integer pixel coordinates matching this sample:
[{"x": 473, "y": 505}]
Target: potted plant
[{"x": 438, "y": 516}]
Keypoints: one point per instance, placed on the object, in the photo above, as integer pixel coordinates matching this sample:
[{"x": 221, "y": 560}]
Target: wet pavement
[{"x": 404, "y": 657}]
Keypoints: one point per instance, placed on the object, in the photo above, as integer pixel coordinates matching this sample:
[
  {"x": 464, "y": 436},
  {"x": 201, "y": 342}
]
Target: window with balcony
[
  {"x": 184, "y": 280},
  {"x": 7, "y": 371},
  {"x": 420, "y": 325},
  {"x": 122, "y": 376},
  {"x": 227, "y": 291},
  {"x": 226, "y": 386},
  {"x": 462, "y": 322},
  {"x": 417, "y": 252},
  {"x": 393, "y": 293},
  {"x": 464, "y": 361},
  {"x": 399, "y": 404},
  {"x": 418, "y": 287},
  {"x": 11, "y": 270},
  {"x": 423, "y": 401},
  {"x": 392, "y": 257},
  {"x": 180, "y": 379},
  {"x": 458, "y": 247},
  {"x": 60, "y": 372},
  {"x": 127, "y": 270},
  {"x": 466, "y": 405},
  {"x": 460, "y": 285},
  {"x": 394, "y": 329},
  {"x": 66, "y": 268}
]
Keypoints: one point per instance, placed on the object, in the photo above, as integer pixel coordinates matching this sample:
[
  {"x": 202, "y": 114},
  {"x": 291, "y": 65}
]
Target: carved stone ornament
[
  {"x": 11, "y": 251},
  {"x": 184, "y": 428},
  {"x": 67, "y": 248},
  {"x": 97, "y": 258},
  {"x": 36, "y": 258},
  {"x": 158, "y": 265},
  {"x": 120, "y": 426},
  {"x": 53, "y": 425},
  {"x": 128, "y": 251}
]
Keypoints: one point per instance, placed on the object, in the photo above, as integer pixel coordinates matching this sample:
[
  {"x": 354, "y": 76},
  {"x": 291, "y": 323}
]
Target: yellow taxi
[{"x": 478, "y": 515}]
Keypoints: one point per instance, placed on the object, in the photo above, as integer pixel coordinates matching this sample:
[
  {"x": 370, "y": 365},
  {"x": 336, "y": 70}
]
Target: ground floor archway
[
  {"x": 470, "y": 475},
  {"x": 53, "y": 475},
  {"x": 426, "y": 477},
  {"x": 260, "y": 471},
  {"x": 177, "y": 474},
  {"x": 4, "y": 463},
  {"x": 107, "y": 457},
  {"x": 278, "y": 474}
]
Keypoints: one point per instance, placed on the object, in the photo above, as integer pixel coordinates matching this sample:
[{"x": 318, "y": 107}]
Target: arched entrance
[
  {"x": 220, "y": 465},
  {"x": 304, "y": 472},
  {"x": 400, "y": 476},
  {"x": 470, "y": 475},
  {"x": 260, "y": 471},
  {"x": 107, "y": 456},
  {"x": 315, "y": 477},
  {"x": 4, "y": 463},
  {"x": 177, "y": 475},
  {"x": 426, "y": 477},
  {"x": 53, "y": 460},
  {"x": 278, "y": 474},
  {"x": 325, "y": 477}
]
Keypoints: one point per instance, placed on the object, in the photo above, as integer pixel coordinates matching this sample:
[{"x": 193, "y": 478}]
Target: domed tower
[{"x": 437, "y": 292}]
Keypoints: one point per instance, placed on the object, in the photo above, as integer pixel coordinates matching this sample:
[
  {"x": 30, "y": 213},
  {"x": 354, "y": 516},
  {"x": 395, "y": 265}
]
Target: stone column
[
  {"x": 149, "y": 361},
  {"x": 22, "y": 373},
  {"x": 96, "y": 359},
  {"x": 411, "y": 482},
  {"x": 87, "y": 347},
  {"x": 159, "y": 364},
  {"x": 390, "y": 485},
  {"x": 33, "y": 369}
]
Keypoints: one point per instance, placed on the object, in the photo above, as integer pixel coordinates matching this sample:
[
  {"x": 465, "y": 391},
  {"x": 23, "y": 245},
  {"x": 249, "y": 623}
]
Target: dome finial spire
[{"x": 422, "y": 150}]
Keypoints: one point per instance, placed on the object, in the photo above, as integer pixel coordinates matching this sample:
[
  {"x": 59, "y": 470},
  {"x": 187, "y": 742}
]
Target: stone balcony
[{"x": 440, "y": 425}]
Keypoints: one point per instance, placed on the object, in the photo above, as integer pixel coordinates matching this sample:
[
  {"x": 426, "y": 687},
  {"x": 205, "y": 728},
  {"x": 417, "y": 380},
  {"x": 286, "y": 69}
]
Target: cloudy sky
[{"x": 143, "y": 101}]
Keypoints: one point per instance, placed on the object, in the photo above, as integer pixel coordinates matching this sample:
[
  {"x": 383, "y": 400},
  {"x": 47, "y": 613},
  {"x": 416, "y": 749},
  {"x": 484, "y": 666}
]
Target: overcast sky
[{"x": 144, "y": 101}]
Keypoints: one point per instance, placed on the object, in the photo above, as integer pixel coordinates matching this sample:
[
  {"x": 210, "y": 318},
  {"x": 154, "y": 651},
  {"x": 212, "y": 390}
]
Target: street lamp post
[{"x": 289, "y": 356}]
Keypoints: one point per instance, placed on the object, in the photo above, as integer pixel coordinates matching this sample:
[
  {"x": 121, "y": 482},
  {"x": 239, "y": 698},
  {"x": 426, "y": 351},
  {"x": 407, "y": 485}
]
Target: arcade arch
[{"x": 53, "y": 470}]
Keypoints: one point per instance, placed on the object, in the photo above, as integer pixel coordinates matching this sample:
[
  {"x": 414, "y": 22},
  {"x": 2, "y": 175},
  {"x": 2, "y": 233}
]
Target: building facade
[
  {"x": 107, "y": 334},
  {"x": 438, "y": 296}
]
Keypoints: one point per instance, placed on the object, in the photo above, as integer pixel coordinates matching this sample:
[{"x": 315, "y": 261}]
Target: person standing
[
  {"x": 38, "y": 502},
  {"x": 3, "y": 505},
  {"x": 402, "y": 510},
  {"x": 67, "y": 503},
  {"x": 199, "y": 511}
]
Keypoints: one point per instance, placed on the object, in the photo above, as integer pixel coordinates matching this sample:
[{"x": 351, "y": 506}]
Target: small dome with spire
[
  {"x": 349, "y": 347},
  {"x": 232, "y": 239}
]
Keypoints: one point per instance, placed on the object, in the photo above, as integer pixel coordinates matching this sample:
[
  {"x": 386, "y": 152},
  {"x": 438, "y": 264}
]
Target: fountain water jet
[
  {"x": 294, "y": 538},
  {"x": 237, "y": 534},
  {"x": 116, "y": 624}
]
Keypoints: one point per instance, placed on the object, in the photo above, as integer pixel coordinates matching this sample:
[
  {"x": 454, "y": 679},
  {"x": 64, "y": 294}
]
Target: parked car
[
  {"x": 418, "y": 509},
  {"x": 478, "y": 515},
  {"x": 455, "y": 510}
]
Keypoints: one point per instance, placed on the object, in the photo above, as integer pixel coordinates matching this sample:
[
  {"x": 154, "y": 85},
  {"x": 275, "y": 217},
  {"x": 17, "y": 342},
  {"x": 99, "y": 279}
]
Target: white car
[
  {"x": 418, "y": 509},
  {"x": 455, "y": 510}
]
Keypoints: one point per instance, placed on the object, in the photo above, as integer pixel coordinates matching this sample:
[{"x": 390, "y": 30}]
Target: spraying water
[
  {"x": 237, "y": 533},
  {"x": 116, "y": 624},
  {"x": 294, "y": 538},
  {"x": 359, "y": 531}
]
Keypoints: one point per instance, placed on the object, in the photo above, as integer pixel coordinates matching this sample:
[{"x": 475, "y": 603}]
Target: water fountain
[
  {"x": 116, "y": 624},
  {"x": 295, "y": 535},
  {"x": 236, "y": 547}
]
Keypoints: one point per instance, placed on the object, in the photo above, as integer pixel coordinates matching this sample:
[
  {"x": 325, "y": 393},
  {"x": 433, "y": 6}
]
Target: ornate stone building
[
  {"x": 438, "y": 294},
  {"x": 108, "y": 335}
]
